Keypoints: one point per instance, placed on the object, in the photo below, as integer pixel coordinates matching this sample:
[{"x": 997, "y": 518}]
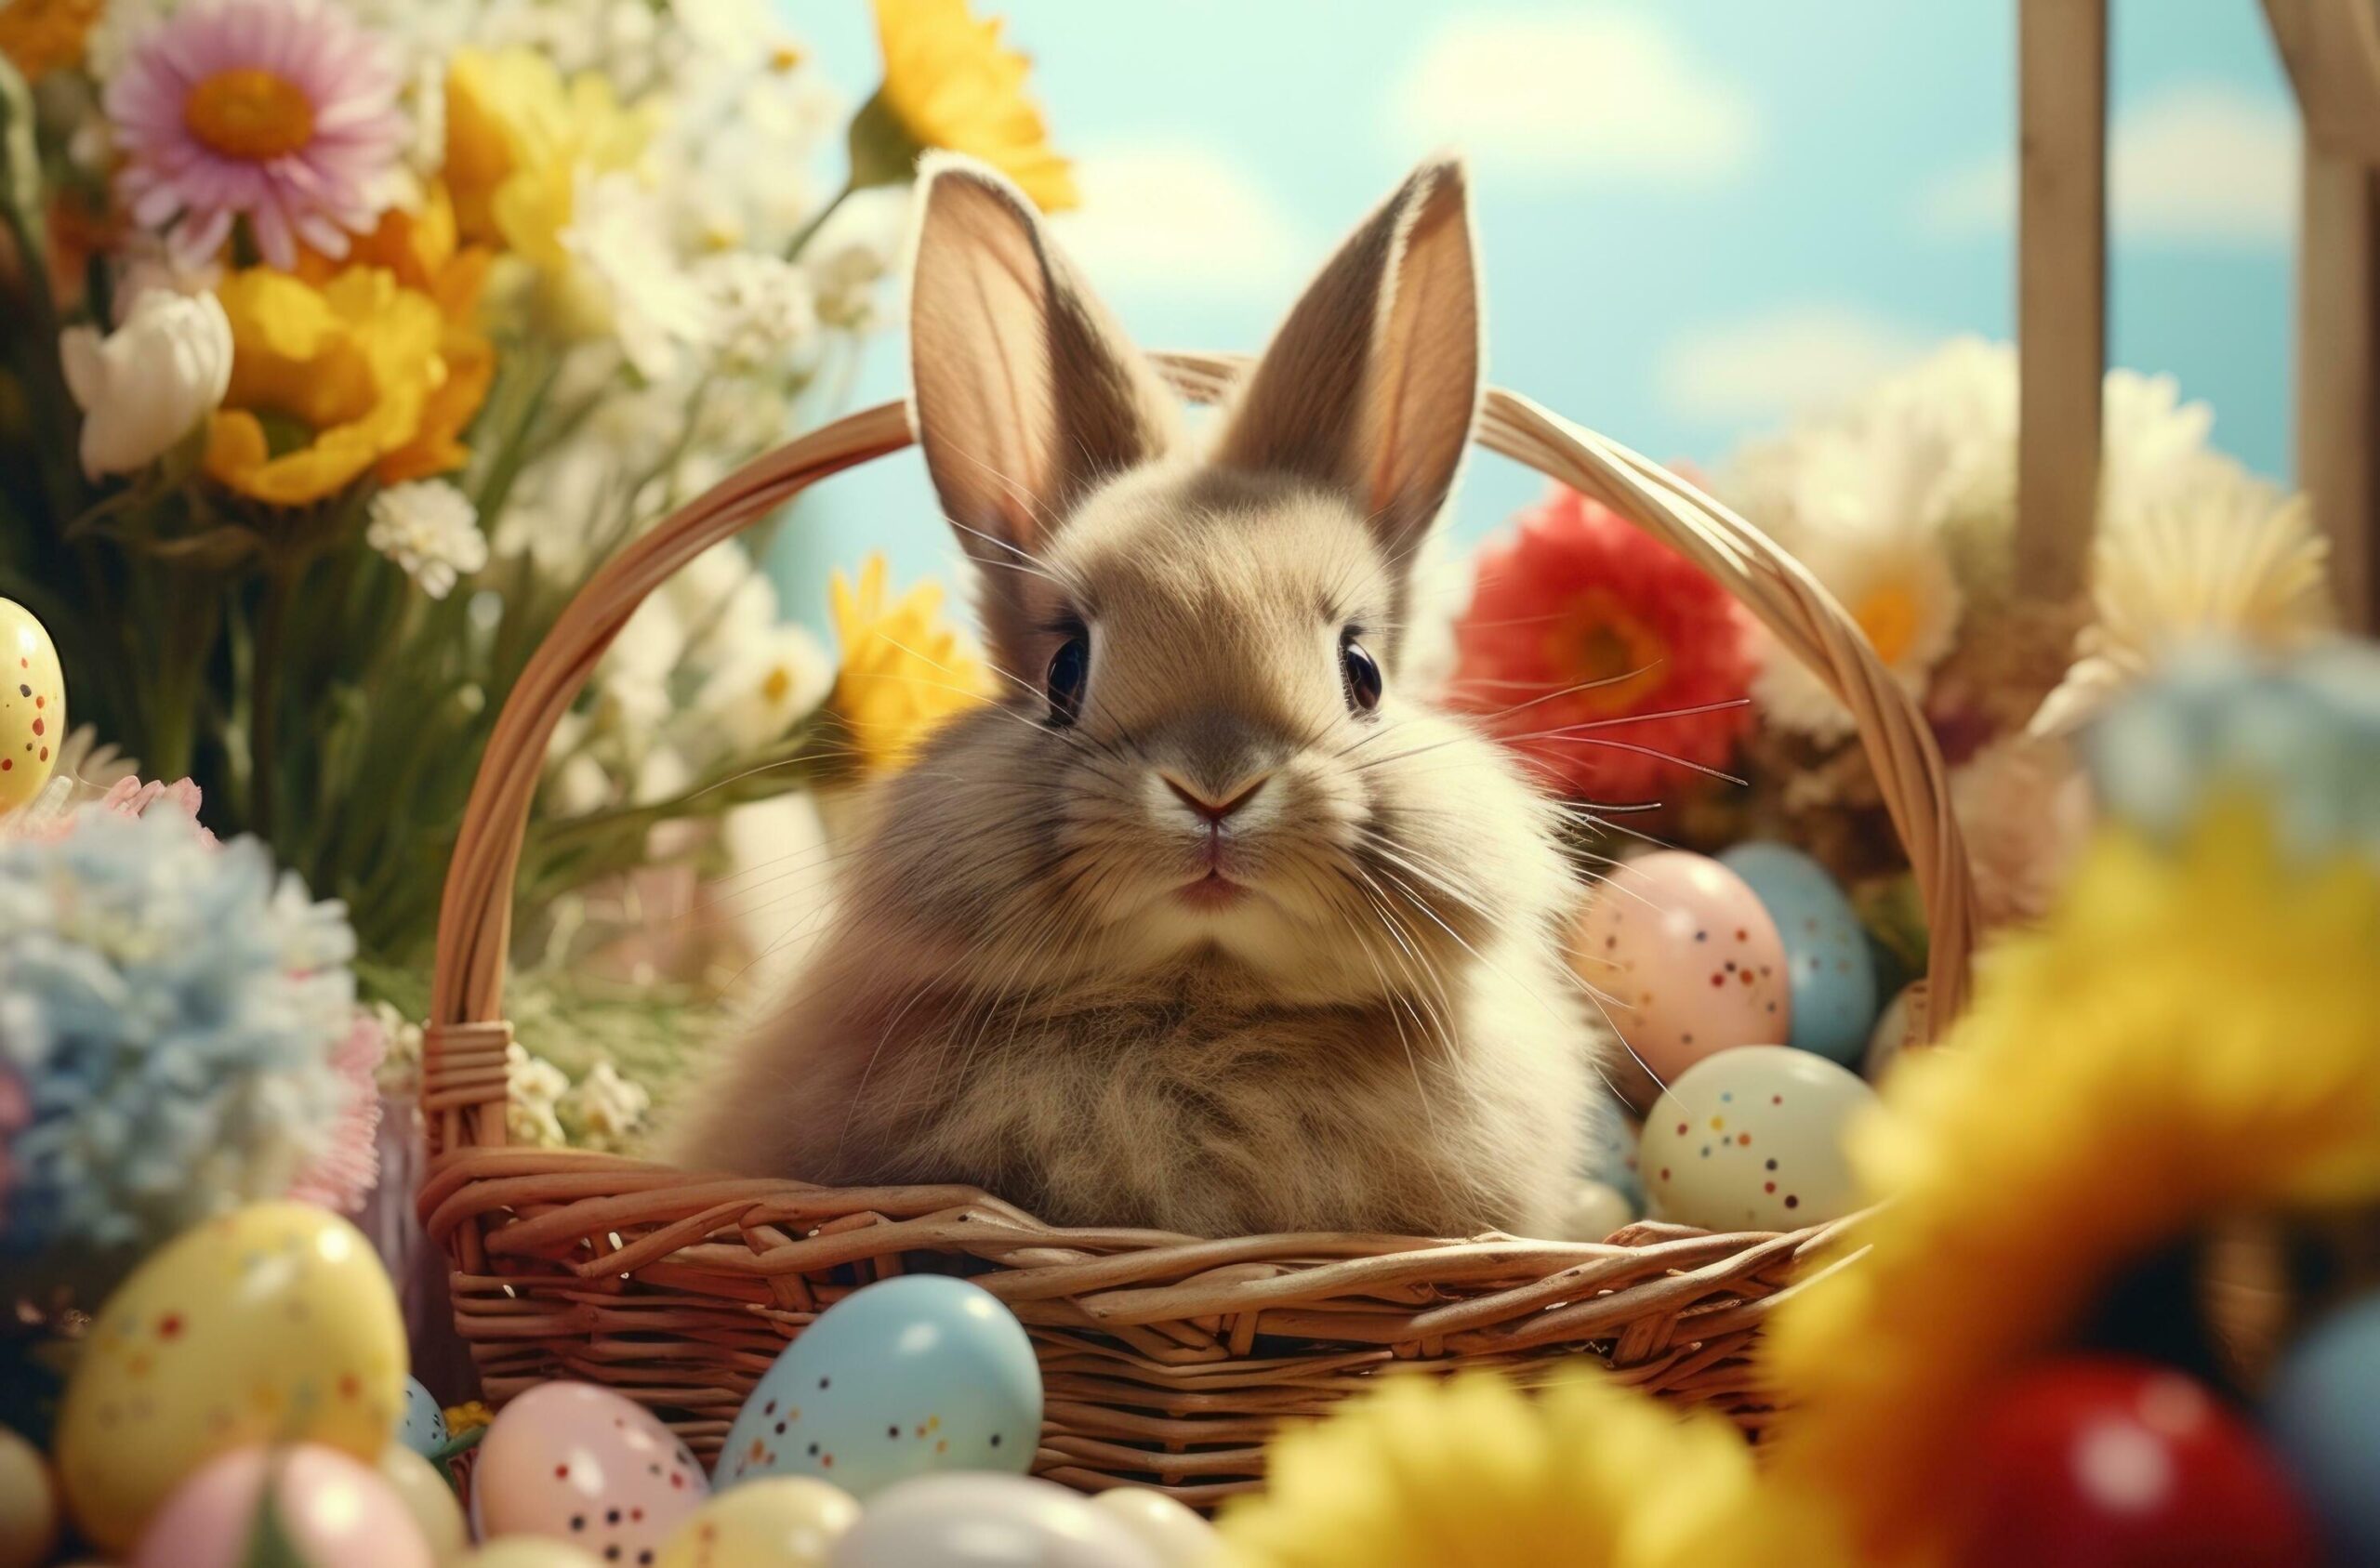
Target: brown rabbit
[{"x": 1205, "y": 926}]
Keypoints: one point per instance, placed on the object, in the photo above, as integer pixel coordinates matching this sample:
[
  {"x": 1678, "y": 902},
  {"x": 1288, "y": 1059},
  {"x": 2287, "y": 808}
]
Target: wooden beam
[
  {"x": 2061, "y": 289},
  {"x": 2338, "y": 346}
]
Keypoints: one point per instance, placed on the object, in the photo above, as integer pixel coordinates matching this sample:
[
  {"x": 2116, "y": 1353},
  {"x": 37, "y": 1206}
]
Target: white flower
[
  {"x": 604, "y": 1107},
  {"x": 533, "y": 1087},
  {"x": 852, "y": 254},
  {"x": 766, "y": 688},
  {"x": 148, "y": 383},
  {"x": 428, "y": 528},
  {"x": 618, "y": 237},
  {"x": 2230, "y": 559},
  {"x": 1899, "y": 586},
  {"x": 2152, "y": 445},
  {"x": 760, "y": 306},
  {"x": 2024, "y": 809}
]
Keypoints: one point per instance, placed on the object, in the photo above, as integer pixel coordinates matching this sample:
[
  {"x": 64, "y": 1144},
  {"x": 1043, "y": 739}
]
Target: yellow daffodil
[
  {"x": 517, "y": 136},
  {"x": 38, "y": 36},
  {"x": 904, "y": 671},
  {"x": 1472, "y": 1472},
  {"x": 326, "y": 381},
  {"x": 949, "y": 84},
  {"x": 2194, "y": 1032}
]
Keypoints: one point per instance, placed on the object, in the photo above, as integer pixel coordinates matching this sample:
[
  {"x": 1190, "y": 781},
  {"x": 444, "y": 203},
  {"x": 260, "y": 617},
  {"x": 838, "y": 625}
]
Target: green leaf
[{"x": 270, "y": 1545}]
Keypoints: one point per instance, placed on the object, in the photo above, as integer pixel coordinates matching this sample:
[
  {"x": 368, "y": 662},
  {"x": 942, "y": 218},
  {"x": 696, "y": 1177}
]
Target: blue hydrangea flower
[{"x": 171, "y": 1010}]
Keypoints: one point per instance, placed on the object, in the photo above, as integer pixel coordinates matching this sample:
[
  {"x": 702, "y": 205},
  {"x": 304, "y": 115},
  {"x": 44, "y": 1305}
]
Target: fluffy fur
[{"x": 1033, "y": 985}]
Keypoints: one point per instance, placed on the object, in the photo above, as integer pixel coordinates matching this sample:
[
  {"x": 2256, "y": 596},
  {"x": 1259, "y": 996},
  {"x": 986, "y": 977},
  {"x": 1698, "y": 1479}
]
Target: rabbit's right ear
[{"x": 1026, "y": 392}]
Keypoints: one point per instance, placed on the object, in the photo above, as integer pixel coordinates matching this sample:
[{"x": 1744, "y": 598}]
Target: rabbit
[{"x": 1204, "y": 925}]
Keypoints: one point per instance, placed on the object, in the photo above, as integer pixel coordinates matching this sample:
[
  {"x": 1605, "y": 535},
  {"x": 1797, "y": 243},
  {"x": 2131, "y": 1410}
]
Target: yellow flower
[
  {"x": 949, "y": 84},
  {"x": 326, "y": 382},
  {"x": 1472, "y": 1472},
  {"x": 517, "y": 136},
  {"x": 38, "y": 36},
  {"x": 2193, "y": 1033},
  {"x": 904, "y": 671},
  {"x": 466, "y": 1418}
]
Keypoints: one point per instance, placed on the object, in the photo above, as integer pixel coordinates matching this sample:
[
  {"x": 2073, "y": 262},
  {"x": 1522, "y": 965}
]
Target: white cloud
[
  {"x": 1798, "y": 360},
  {"x": 1564, "y": 97},
  {"x": 1184, "y": 217},
  {"x": 2198, "y": 165}
]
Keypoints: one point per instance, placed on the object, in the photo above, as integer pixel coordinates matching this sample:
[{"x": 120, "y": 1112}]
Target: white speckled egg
[
  {"x": 585, "y": 1465},
  {"x": 1686, "y": 958},
  {"x": 769, "y": 1521},
  {"x": 1902, "y": 1018},
  {"x": 273, "y": 1324},
  {"x": 33, "y": 704},
  {"x": 1752, "y": 1139}
]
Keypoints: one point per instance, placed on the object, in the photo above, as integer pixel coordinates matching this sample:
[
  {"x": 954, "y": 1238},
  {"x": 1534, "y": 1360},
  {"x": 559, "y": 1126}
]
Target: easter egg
[
  {"x": 987, "y": 1521},
  {"x": 416, "y": 1482},
  {"x": 331, "y": 1509},
  {"x": 2104, "y": 1462},
  {"x": 526, "y": 1551},
  {"x": 1594, "y": 1211},
  {"x": 1685, "y": 958},
  {"x": 2323, "y": 1412},
  {"x": 28, "y": 1504},
  {"x": 273, "y": 1323},
  {"x": 582, "y": 1465},
  {"x": 1895, "y": 1027},
  {"x": 32, "y": 705},
  {"x": 911, "y": 1374},
  {"x": 1753, "y": 1138},
  {"x": 423, "y": 1426},
  {"x": 1175, "y": 1536},
  {"x": 769, "y": 1521},
  {"x": 1831, "y": 972}
]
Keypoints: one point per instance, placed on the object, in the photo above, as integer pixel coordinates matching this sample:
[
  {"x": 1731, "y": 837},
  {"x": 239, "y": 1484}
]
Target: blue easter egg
[
  {"x": 423, "y": 1426},
  {"x": 2323, "y": 1412},
  {"x": 1828, "y": 961},
  {"x": 914, "y": 1375}
]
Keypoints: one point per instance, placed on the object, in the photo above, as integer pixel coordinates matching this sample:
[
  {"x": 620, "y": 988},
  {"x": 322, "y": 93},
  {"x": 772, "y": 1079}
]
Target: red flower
[{"x": 1604, "y": 656}]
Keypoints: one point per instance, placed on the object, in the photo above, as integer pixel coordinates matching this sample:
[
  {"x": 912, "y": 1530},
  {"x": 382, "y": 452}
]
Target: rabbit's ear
[
  {"x": 1026, "y": 392},
  {"x": 1371, "y": 384}
]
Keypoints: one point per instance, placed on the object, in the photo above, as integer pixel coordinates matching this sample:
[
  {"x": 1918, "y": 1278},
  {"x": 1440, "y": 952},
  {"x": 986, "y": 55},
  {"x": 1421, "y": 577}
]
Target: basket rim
[{"x": 465, "y": 1037}]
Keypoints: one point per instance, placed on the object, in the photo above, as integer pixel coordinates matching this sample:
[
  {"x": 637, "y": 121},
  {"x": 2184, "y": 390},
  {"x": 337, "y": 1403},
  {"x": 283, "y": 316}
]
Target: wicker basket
[{"x": 1167, "y": 1360}]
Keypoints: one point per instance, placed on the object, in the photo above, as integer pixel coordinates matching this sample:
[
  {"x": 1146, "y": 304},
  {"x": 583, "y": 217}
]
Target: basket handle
[{"x": 463, "y": 1079}]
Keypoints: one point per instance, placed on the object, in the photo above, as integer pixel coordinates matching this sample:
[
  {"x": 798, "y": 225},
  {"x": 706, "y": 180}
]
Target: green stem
[
  {"x": 264, "y": 693},
  {"x": 808, "y": 231}
]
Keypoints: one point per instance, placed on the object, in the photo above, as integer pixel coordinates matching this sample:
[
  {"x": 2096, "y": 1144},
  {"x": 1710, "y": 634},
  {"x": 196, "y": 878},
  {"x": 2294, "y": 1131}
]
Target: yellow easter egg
[
  {"x": 28, "y": 1504},
  {"x": 32, "y": 705},
  {"x": 526, "y": 1551},
  {"x": 768, "y": 1522},
  {"x": 273, "y": 1324},
  {"x": 426, "y": 1496}
]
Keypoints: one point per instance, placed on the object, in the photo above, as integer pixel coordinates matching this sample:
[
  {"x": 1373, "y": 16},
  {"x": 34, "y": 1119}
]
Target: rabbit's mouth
[{"x": 1213, "y": 891}]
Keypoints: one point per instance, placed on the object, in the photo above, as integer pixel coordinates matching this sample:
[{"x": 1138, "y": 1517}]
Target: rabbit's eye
[
  {"x": 1361, "y": 672},
  {"x": 1069, "y": 673}
]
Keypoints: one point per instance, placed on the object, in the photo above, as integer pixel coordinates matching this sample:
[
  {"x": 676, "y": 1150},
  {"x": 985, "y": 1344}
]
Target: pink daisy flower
[{"x": 281, "y": 111}]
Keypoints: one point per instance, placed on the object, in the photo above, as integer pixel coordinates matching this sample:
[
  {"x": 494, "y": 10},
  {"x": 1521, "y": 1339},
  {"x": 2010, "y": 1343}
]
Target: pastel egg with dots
[
  {"x": 423, "y": 1426},
  {"x": 578, "y": 1464},
  {"x": 273, "y": 1324},
  {"x": 1827, "y": 964},
  {"x": 33, "y": 704},
  {"x": 1685, "y": 958},
  {"x": 769, "y": 1521},
  {"x": 1753, "y": 1138},
  {"x": 329, "y": 1507},
  {"x": 989, "y": 1522},
  {"x": 912, "y": 1374}
]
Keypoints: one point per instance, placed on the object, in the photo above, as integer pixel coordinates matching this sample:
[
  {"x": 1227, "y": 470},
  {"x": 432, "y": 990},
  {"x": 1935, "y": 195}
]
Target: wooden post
[
  {"x": 2061, "y": 289},
  {"x": 2331, "y": 48}
]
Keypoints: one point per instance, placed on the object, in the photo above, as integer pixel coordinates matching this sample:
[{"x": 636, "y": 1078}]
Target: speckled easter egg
[
  {"x": 987, "y": 1521},
  {"x": 1752, "y": 1139},
  {"x": 1832, "y": 973},
  {"x": 275, "y": 1323},
  {"x": 1897, "y": 1028},
  {"x": 33, "y": 704},
  {"x": 28, "y": 1504},
  {"x": 769, "y": 1521},
  {"x": 332, "y": 1509},
  {"x": 526, "y": 1551},
  {"x": 582, "y": 1465},
  {"x": 428, "y": 1498},
  {"x": 1686, "y": 959},
  {"x": 423, "y": 1426},
  {"x": 912, "y": 1374}
]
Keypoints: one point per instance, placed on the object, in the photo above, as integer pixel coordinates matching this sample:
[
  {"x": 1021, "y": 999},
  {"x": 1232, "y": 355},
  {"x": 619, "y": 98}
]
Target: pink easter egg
[
  {"x": 1686, "y": 959},
  {"x": 575, "y": 1463},
  {"x": 335, "y": 1511}
]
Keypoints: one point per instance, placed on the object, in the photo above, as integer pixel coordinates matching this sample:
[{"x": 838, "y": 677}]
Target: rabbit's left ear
[{"x": 1371, "y": 385}]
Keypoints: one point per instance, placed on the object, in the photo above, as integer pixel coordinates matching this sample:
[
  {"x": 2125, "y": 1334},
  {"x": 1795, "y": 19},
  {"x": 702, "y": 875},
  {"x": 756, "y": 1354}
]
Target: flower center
[
  {"x": 1888, "y": 616},
  {"x": 245, "y": 112},
  {"x": 1598, "y": 641},
  {"x": 776, "y": 684}
]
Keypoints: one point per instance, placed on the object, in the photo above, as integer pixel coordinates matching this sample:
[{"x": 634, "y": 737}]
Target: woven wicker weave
[{"x": 1167, "y": 1360}]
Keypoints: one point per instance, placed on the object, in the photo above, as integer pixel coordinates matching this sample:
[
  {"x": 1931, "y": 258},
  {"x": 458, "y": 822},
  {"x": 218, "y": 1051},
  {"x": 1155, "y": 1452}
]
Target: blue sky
[{"x": 1696, "y": 216}]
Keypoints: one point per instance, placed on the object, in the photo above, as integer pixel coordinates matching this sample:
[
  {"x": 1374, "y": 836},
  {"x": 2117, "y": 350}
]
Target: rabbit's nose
[{"x": 1215, "y": 808}]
